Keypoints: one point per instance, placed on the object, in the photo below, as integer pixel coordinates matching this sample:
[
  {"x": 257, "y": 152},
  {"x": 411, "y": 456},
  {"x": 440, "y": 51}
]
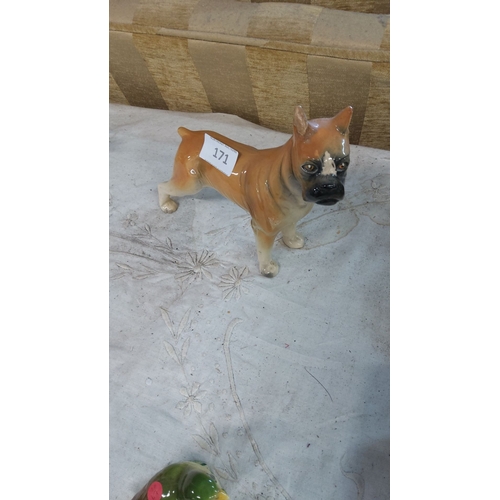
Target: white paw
[
  {"x": 269, "y": 270},
  {"x": 296, "y": 241},
  {"x": 169, "y": 206}
]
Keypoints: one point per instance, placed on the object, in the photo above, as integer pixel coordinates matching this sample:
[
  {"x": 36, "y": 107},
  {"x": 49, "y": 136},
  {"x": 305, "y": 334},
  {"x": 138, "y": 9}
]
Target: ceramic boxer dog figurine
[{"x": 277, "y": 186}]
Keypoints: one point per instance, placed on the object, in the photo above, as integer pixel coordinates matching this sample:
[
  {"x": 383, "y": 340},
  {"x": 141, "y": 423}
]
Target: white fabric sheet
[{"x": 281, "y": 385}]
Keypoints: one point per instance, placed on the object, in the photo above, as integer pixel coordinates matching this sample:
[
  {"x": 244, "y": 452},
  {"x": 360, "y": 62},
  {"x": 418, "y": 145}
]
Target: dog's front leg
[
  {"x": 265, "y": 241},
  {"x": 291, "y": 238}
]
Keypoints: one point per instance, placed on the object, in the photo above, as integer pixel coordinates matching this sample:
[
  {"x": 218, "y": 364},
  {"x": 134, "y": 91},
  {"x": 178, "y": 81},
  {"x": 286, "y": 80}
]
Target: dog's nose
[{"x": 324, "y": 189}]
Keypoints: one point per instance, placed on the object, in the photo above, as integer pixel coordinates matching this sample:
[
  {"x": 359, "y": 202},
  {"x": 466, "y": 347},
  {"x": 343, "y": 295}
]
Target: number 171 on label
[{"x": 219, "y": 155}]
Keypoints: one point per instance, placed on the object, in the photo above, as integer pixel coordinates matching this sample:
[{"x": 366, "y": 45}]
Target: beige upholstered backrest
[{"x": 255, "y": 60}]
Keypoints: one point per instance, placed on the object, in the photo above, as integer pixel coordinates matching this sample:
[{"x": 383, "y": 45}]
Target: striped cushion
[
  {"x": 255, "y": 60},
  {"x": 370, "y": 6}
]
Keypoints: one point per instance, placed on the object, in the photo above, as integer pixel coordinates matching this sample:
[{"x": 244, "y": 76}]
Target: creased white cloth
[{"x": 281, "y": 385}]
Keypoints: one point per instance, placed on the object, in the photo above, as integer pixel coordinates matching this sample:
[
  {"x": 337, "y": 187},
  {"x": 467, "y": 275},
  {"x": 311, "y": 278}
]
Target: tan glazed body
[{"x": 277, "y": 186}]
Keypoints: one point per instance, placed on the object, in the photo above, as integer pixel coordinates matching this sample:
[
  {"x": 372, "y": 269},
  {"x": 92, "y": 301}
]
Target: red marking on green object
[{"x": 155, "y": 491}]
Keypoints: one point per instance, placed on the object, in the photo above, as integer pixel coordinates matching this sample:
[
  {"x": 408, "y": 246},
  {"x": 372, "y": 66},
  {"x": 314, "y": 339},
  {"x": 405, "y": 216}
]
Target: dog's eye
[
  {"x": 343, "y": 165},
  {"x": 310, "y": 168}
]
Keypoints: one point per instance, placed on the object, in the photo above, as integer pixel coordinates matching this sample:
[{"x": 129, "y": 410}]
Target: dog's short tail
[{"x": 183, "y": 132}]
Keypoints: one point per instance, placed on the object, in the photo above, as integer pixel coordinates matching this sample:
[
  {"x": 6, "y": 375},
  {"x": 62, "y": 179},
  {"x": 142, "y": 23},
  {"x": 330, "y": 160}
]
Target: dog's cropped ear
[
  {"x": 343, "y": 119},
  {"x": 300, "y": 120}
]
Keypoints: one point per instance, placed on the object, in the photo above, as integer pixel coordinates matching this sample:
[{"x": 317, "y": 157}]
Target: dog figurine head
[{"x": 320, "y": 155}]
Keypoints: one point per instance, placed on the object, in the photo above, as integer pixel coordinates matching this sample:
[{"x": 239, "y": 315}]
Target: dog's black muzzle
[{"x": 327, "y": 192}]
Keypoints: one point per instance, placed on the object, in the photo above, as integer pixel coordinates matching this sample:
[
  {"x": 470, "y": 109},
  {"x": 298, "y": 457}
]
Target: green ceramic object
[{"x": 183, "y": 481}]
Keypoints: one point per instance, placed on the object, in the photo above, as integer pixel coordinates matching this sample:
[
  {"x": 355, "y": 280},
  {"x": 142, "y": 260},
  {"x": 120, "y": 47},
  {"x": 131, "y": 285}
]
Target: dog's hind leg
[
  {"x": 265, "y": 242},
  {"x": 165, "y": 189},
  {"x": 181, "y": 184},
  {"x": 166, "y": 203}
]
